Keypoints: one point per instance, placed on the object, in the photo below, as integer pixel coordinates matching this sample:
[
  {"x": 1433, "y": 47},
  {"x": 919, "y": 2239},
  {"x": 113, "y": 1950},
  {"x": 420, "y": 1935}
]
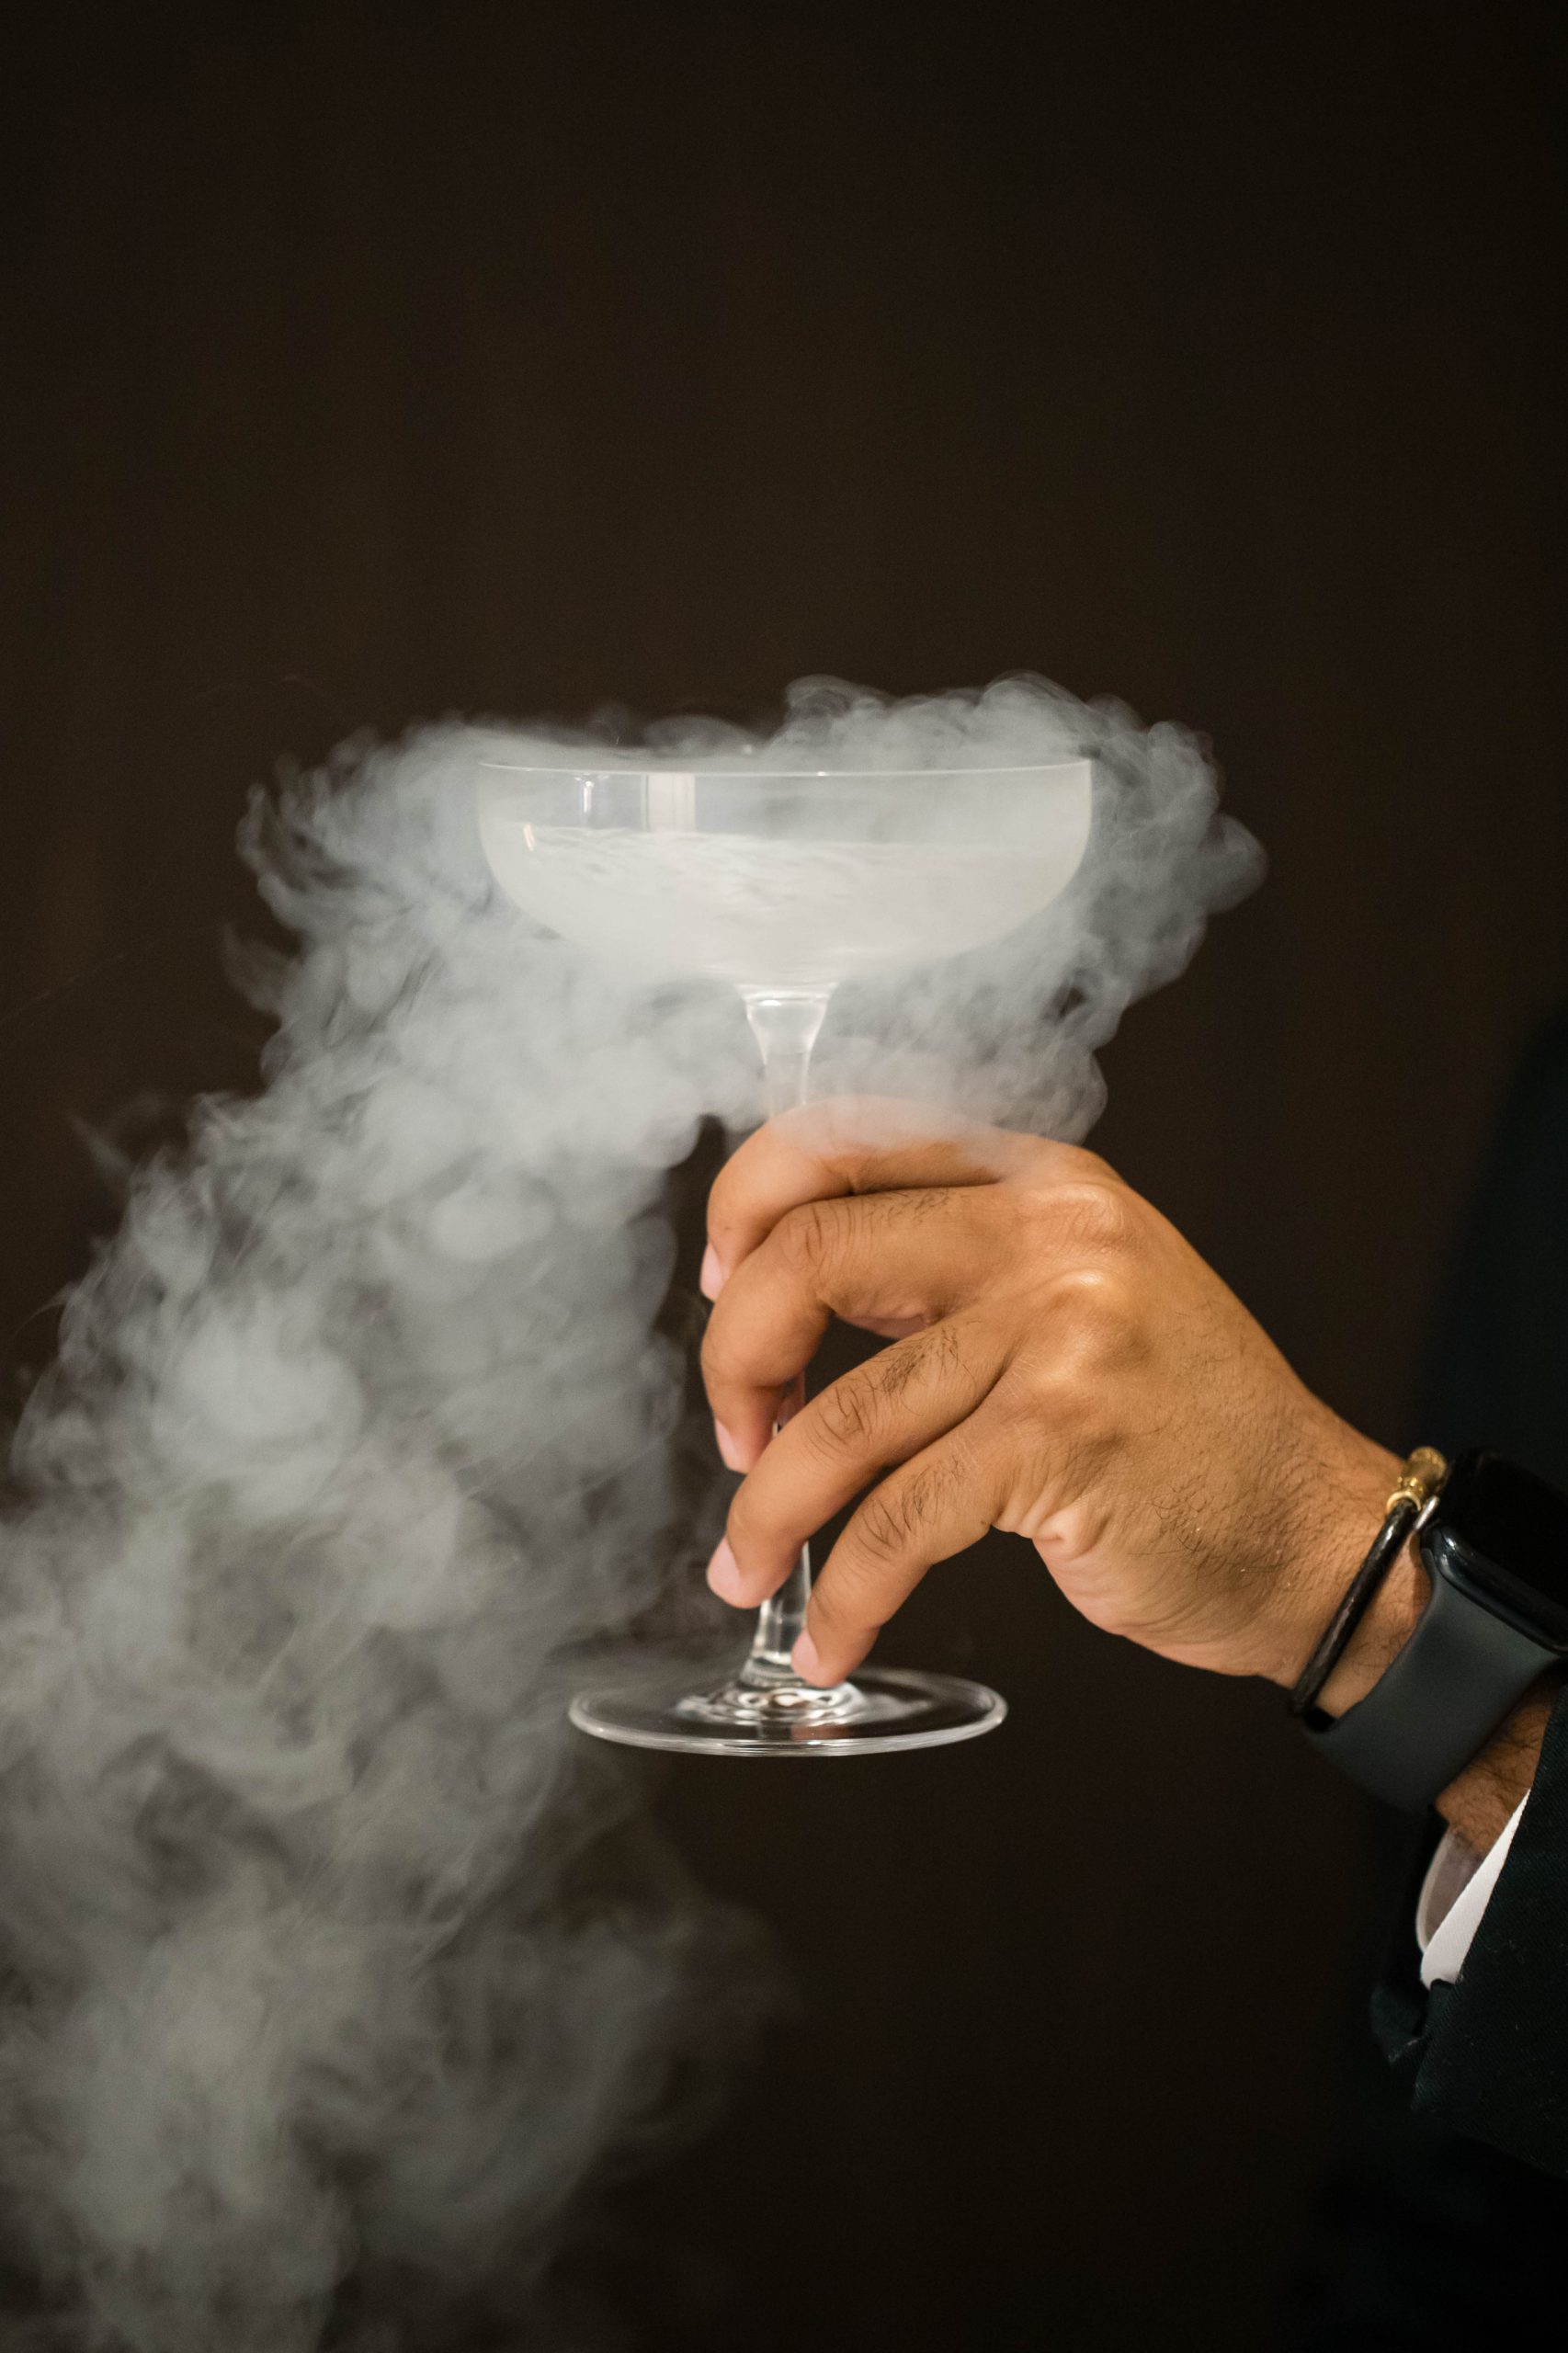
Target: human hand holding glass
[{"x": 1064, "y": 1366}]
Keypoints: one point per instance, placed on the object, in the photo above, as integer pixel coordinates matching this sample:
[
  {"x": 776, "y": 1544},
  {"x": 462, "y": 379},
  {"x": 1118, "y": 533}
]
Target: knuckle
[
  {"x": 1093, "y": 1344},
  {"x": 749, "y": 1521},
  {"x": 891, "y": 1517},
  {"x": 861, "y": 1412},
  {"x": 1088, "y": 1339},
  {"x": 731, "y": 1190},
  {"x": 1089, "y": 1214},
  {"x": 846, "y": 1417},
  {"x": 1096, "y": 1317},
  {"x": 932, "y": 1361},
  {"x": 724, "y": 1364},
  {"x": 1084, "y": 1167},
  {"x": 713, "y": 1355},
  {"x": 807, "y": 1237}
]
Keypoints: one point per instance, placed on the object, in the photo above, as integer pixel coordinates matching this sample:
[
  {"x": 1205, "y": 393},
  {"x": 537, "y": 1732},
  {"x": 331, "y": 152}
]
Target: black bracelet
[{"x": 1420, "y": 1484}]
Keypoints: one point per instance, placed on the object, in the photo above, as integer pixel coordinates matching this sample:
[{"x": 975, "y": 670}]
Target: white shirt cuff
[{"x": 1455, "y": 1893}]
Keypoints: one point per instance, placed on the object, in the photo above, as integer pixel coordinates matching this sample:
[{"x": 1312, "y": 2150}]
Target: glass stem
[{"x": 786, "y": 1024}]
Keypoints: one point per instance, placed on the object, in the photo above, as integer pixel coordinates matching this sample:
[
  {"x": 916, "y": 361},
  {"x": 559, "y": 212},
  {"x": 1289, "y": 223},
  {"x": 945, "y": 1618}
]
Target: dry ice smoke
[{"x": 317, "y": 1967}]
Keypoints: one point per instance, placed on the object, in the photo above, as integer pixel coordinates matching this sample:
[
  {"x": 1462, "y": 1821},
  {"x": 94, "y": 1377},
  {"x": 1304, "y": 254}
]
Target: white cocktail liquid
[{"x": 768, "y": 911}]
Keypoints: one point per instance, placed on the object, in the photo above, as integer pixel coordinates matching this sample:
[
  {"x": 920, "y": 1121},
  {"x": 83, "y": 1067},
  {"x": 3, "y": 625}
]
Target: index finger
[{"x": 850, "y": 1145}]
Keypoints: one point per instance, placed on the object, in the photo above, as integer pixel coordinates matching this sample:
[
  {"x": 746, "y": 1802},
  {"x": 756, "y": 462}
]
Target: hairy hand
[{"x": 1062, "y": 1365}]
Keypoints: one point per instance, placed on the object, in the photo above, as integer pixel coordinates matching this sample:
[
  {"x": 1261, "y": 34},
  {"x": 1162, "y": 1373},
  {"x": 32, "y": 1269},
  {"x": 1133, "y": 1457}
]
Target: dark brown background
[{"x": 372, "y": 362}]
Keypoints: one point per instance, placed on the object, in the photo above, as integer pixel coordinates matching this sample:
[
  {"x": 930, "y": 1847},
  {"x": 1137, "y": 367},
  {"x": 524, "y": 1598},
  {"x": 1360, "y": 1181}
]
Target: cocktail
[{"x": 783, "y": 884}]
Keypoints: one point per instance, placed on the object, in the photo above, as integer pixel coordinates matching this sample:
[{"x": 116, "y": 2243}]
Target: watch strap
[
  {"x": 1409, "y": 1508},
  {"x": 1428, "y": 1714}
]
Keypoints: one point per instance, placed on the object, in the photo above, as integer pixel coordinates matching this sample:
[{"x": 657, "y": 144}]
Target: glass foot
[{"x": 883, "y": 1708}]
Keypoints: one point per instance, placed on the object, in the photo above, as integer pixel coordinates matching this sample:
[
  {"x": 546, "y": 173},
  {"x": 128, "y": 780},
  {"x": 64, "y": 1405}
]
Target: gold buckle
[{"x": 1420, "y": 1479}]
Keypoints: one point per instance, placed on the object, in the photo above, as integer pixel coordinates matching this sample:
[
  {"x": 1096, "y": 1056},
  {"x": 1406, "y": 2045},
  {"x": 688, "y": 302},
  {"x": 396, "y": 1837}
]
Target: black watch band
[{"x": 1462, "y": 1672}]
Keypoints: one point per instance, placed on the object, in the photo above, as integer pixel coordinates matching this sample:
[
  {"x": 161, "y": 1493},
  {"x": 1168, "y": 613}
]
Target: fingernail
[
  {"x": 711, "y": 1281},
  {"x": 806, "y": 1663},
  {"x": 724, "y": 1575},
  {"x": 730, "y": 1454}
]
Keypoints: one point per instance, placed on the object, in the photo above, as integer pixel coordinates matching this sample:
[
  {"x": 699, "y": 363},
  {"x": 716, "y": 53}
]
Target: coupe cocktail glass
[{"x": 784, "y": 884}]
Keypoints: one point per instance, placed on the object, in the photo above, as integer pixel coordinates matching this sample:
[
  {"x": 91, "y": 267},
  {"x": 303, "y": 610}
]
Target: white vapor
[{"x": 324, "y": 1956}]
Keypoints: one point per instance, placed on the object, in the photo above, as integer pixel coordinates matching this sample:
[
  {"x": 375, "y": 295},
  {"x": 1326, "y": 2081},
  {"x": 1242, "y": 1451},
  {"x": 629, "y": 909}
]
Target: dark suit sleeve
[
  {"x": 1496, "y": 1361},
  {"x": 1423, "y": 2232},
  {"x": 1488, "y": 2056}
]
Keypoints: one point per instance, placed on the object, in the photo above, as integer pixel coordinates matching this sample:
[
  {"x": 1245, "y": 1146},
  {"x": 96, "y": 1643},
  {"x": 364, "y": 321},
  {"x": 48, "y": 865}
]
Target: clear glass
[{"x": 784, "y": 884}]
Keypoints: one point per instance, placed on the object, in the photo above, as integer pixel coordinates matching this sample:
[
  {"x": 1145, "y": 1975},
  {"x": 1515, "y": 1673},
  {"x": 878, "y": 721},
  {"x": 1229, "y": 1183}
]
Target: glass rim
[{"x": 779, "y": 776}]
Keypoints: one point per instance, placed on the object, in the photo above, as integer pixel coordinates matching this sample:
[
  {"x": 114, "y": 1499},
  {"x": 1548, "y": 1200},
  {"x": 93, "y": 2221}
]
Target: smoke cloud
[{"x": 331, "y": 1955}]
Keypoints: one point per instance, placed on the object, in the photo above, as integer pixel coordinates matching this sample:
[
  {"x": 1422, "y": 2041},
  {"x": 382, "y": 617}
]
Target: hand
[{"x": 1063, "y": 1365}]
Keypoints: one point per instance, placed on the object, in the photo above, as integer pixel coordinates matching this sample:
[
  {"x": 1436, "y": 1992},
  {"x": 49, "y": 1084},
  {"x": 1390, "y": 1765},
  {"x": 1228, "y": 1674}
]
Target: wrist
[
  {"x": 1324, "y": 1541},
  {"x": 1387, "y": 1625}
]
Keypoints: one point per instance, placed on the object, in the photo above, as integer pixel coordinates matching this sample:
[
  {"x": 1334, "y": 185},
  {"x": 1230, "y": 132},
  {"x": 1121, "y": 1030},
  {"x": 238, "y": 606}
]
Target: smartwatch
[{"x": 1496, "y": 1548}]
